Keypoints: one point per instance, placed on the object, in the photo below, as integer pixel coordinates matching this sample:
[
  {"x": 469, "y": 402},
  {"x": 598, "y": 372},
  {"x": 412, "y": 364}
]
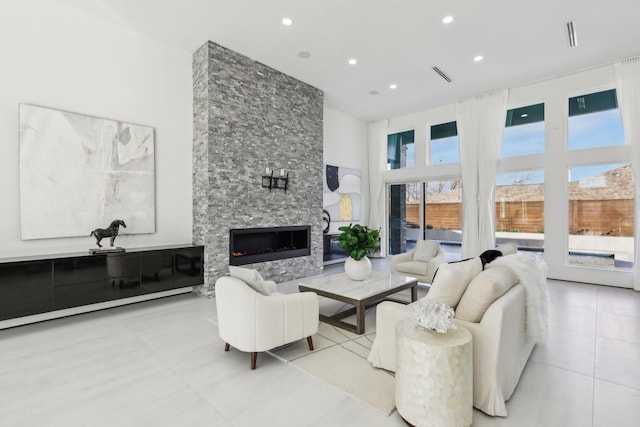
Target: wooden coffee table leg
[
  {"x": 360, "y": 312},
  {"x": 414, "y": 292}
]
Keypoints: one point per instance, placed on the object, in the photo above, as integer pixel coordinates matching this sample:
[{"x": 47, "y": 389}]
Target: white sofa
[
  {"x": 253, "y": 322},
  {"x": 405, "y": 265},
  {"x": 501, "y": 346}
]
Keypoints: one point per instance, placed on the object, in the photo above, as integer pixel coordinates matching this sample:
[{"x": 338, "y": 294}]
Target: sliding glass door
[
  {"x": 404, "y": 216},
  {"x": 430, "y": 210},
  {"x": 442, "y": 220}
]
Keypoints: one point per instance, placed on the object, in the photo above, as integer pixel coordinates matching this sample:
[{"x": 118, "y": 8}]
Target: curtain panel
[
  {"x": 377, "y": 140},
  {"x": 628, "y": 90},
  {"x": 469, "y": 172},
  {"x": 480, "y": 129}
]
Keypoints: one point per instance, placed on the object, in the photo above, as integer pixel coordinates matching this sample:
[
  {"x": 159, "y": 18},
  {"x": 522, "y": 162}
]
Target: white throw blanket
[{"x": 533, "y": 277}]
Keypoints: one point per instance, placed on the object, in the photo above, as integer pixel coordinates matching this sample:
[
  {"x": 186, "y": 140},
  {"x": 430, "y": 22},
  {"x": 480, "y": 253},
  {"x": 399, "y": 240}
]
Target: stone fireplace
[{"x": 247, "y": 118}]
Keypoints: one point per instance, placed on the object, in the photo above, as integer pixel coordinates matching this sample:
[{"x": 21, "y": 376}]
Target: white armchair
[
  {"x": 406, "y": 265},
  {"x": 253, "y": 322}
]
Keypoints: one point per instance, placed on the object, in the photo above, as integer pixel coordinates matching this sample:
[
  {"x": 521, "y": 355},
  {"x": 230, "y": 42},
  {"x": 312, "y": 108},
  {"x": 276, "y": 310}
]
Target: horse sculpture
[{"x": 111, "y": 231}]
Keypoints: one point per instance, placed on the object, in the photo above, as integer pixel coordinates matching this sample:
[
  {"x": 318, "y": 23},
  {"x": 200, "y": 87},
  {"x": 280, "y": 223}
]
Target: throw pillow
[
  {"x": 425, "y": 250},
  {"x": 251, "y": 277},
  {"x": 507, "y": 248},
  {"x": 483, "y": 290},
  {"x": 489, "y": 255},
  {"x": 452, "y": 279}
]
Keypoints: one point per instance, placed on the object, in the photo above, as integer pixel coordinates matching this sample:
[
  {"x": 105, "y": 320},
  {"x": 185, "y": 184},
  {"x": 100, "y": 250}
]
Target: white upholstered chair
[
  {"x": 253, "y": 322},
  {"x": 422, "y": 268}
]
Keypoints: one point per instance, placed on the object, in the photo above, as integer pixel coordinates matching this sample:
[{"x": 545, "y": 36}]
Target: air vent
[
  {"x": 441, "y": 74},
  {"x": 571, "y": 30}
]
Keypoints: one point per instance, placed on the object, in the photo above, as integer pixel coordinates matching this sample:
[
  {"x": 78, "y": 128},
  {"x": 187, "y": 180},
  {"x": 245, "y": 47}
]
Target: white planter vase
[{"x": 357, "y": 270}]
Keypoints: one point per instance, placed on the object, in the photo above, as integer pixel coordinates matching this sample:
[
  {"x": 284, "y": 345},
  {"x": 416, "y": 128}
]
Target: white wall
[
  {"x": 345, "y": 144},
  {"x": 57, "y": 57}
]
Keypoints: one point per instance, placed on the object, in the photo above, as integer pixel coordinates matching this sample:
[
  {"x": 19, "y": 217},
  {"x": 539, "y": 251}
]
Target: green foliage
[{"x": 358, "y": 240}]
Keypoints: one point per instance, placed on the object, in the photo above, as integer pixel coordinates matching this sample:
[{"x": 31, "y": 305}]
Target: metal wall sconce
[{"x": 269, "y": 181}]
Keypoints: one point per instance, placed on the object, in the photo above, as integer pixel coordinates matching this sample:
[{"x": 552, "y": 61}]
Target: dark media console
[{"x": 42, "y": 284}]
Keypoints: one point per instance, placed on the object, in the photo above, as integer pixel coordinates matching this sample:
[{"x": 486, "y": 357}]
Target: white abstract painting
[
  {"x": 341, "y": 191},
  {"x": 79, "y": 172}
]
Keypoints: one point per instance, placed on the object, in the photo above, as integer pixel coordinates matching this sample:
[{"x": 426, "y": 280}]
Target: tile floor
[{"x": 161, "y": 363}]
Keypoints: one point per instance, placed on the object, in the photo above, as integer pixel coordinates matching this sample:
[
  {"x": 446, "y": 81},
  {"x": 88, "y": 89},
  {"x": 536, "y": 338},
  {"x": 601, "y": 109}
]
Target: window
[
  {"x": 444, "y": 146},
  {"x": 594, "y": 121},
  {"x": 601, "y": 216},
  {"x": 520, "y": 209},
  {"x": 524, "y": 131},
  {"x": 400, "y": 150}
]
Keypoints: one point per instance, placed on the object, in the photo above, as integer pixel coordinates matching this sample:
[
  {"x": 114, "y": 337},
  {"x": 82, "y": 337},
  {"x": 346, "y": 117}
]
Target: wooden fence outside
[{"x": 597, "y": 217}]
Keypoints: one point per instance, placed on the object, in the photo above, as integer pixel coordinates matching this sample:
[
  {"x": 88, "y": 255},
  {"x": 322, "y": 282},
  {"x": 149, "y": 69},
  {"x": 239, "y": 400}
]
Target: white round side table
[{"x": 434, "y": 376}]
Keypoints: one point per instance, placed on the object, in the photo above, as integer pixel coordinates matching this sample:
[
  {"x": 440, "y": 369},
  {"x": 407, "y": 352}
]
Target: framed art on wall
[
  {"x": 79, "y": 172},
  {"x": 341, "y": 193}
]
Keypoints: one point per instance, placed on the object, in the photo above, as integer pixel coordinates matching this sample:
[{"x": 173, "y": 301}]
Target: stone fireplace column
[{"x": 248, "y": 117}]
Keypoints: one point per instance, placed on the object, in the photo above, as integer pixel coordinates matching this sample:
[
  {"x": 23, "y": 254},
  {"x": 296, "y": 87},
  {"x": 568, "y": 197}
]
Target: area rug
[{"x": 339, "y": 358}]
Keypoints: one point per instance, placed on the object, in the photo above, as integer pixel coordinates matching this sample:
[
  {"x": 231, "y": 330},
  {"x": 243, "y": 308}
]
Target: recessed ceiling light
[
  {"x": 304, "y": 54},
  {"x": 524, "y": 115},
  {"x": 353, "y": 61},
  {"x": 393, "y": 86},
  {"x": 478, "y": 58},
  {"x": 287, "y": 21},
  {"x": 447, "y": 19},
  {"x": 373, "y": 92}
]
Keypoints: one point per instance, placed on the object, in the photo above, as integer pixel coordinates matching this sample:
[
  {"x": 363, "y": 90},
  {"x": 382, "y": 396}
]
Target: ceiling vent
[
  {"x": 441, "y": 74},
  {"x": 571, "y": 30}
]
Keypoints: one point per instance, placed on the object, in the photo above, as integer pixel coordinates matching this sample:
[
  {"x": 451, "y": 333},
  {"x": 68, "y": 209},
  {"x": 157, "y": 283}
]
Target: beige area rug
[{"x": 340, "y": 359}]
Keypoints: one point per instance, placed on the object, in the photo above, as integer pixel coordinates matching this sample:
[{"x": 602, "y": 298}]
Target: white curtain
[
  {"x": 480, "y": 128},
  {"x": 469, "y": 172},
  {"x": 628, "y": 91},
  {"x": 377, "y": 140}
]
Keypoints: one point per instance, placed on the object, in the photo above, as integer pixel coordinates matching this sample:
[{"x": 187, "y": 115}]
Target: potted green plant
[{"x": 358, "y": 241}]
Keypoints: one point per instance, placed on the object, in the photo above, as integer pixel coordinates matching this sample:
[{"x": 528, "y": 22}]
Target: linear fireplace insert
[{"x": 251, "y": 245}]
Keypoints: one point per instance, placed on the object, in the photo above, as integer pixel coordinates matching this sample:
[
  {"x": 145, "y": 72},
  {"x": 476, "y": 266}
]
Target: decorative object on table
[
  {"x": 112, "y": 232},
  {"x": 326, "y": 219},
  {"x": 75, "y": 169},
  {"x": 341, "y": 193},
  {"x": 358, "y": 241},
  {"x": 433, "y": 315}
]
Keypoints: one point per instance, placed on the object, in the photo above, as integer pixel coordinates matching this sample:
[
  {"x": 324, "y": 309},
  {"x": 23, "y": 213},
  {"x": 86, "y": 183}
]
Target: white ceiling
[{"x": 394, "y": 41}]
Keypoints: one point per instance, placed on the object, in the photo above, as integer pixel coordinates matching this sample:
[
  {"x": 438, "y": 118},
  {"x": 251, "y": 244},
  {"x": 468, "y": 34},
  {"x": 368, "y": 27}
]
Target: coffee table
[{"x": 359, "y": 293}]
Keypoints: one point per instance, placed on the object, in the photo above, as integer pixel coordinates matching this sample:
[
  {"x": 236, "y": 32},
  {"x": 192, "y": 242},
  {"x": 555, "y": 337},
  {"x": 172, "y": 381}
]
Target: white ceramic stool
[{"x": 434, "y": 376}]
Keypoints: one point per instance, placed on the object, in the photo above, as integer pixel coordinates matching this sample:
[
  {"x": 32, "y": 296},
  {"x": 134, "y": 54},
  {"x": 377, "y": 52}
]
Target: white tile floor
[{"x": 161, "y": 363}]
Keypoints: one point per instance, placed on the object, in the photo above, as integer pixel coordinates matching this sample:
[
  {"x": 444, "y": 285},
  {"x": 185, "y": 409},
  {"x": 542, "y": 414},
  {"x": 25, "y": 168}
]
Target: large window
[
  {"x": 444, "y": 147},
  {"x": 400, "y": 150},
  {"x": 520, "y": 209},
  {"x": 524, "y": 131},
  {"x": 601, "y": 216},
  {"x": 594, "y": 121}
]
